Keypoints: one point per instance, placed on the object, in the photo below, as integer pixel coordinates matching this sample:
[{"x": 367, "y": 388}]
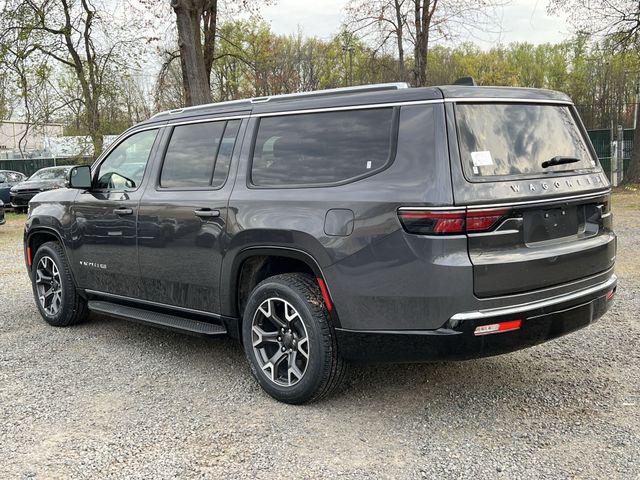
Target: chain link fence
[{"x": 29, "y": 166}]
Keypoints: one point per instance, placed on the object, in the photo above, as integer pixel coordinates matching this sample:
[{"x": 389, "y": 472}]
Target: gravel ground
[{"x": 112, "y": 399}]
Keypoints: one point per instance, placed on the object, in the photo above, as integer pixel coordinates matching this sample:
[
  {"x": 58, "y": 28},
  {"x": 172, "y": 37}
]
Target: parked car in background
[
  {"x": 7, "y": 180},
  {"x": 44, "y": 179}
]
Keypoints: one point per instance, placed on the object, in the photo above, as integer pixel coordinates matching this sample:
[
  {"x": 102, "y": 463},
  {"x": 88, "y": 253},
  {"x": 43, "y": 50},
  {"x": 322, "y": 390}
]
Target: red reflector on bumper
[
  {"x": 610, "y": 294},
  {"x": 325, "y": 294},
  {"x": 498, "y": 327},
  {"x": 29, "y": 256}
]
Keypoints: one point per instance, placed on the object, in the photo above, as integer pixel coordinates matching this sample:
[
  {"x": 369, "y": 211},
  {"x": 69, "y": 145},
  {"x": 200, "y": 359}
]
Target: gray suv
[{"x": 376, "y": 223}]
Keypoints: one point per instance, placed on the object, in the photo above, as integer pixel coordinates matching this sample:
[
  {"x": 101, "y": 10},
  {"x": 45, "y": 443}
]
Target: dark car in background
[
  {"x": 8, "y": 179},
  {"x": 44, "y": 179}
]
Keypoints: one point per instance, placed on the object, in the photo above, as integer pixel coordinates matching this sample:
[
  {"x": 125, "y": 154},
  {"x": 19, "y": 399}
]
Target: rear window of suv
[
  {"x": 499, "y": 140},
  {"x": 323, "y": 148}
]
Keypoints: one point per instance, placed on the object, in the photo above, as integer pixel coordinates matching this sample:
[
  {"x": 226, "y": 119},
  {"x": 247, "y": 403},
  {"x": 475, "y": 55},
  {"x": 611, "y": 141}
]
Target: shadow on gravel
[{"x": 401, "y": 387}]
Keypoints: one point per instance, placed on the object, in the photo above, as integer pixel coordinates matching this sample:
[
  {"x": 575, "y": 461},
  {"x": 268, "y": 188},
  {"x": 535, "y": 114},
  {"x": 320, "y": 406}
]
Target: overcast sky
[{"x": 522, "y": 20}]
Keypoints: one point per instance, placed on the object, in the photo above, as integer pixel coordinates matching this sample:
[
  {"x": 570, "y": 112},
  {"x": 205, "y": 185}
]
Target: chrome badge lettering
[
  {"x": 101, "y": 266},
  {"x": 560, "y": 184}
]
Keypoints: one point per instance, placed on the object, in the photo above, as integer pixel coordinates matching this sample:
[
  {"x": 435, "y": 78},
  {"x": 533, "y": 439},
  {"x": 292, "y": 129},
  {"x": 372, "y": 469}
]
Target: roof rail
[{"x": 328, "y": 91}]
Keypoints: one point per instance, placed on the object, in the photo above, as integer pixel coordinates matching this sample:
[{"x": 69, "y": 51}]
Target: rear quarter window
[{"x": 323, "y": 148}]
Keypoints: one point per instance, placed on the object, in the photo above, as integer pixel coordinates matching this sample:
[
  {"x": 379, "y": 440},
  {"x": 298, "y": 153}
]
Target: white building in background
[
  {"x": 45, "y": 141},
  {"x": 12, "y": 131}
]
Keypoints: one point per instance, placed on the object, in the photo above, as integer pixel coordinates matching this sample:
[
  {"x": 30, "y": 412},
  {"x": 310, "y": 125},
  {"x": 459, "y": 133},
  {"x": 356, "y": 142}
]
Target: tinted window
[
  {"x": 199, "y": 154},
  {"x": 322, "y": 148},
  {"x": 515, "y": 139},
  {"x": 224, "y": 153},
  {"x": 124, "y": 166}
]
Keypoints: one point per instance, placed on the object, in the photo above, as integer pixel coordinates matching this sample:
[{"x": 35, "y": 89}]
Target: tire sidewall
[
  {"x": 68, "y": 289},
  {"x": 313, "y": 376}
]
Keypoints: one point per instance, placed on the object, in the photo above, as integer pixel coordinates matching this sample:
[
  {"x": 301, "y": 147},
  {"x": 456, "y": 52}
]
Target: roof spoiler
[{"x": 466, "y": 81}]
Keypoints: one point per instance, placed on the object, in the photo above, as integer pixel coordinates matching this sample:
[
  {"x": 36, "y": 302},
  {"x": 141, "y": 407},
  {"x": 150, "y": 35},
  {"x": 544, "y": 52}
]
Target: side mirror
[{"x": 80, "y": 177}]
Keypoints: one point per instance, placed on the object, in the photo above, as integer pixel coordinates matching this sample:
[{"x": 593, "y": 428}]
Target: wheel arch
[
  {"x": 37, "y": 237},
  {"x": 261, "y": 256}
]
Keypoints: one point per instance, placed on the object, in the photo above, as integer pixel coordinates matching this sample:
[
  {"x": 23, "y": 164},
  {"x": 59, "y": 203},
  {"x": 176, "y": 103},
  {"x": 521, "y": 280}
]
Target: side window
[
  {"x": 224, "y": 153},
  {"x": 322, "y": 148},
  {"x": 199, "y": 154},
  {"x": 123, "y": 168}
]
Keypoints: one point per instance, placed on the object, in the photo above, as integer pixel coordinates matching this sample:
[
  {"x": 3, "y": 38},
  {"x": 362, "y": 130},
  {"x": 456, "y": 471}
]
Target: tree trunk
[
  {"x": 423, "y": 13},
  {"x": 399, "y": 38},
  {"x": 210, "y": 20},
  {"x": 194, "y": 75},
  {"x": 633, "y": 174}
]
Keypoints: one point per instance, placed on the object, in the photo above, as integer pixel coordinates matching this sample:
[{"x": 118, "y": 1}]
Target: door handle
[
  {"x": 206, "y": 213},
  {"x": 123, "y": 211}
]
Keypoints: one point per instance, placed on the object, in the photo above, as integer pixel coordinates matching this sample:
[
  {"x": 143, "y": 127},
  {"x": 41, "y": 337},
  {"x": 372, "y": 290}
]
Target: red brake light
[
  {"x": 482, "y": 220},
  {"x": 451, "y": 222}
]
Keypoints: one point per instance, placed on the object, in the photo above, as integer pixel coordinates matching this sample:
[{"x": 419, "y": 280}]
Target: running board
[{"x": 164, "y": 320}]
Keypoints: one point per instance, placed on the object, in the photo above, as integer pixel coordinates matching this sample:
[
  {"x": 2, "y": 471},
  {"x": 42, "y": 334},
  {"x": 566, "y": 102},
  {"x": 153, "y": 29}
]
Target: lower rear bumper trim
[{"x": 525, "y": 307}]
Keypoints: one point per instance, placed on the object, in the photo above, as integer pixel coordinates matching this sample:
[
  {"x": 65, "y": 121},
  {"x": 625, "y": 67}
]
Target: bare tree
[
  {"x": 619, "y": 22},
  {"x": 63, "y": 31},
  {"x": 189, "y": 15},
  {"x": 418, "y": 23},
  {"x": 384, "y": 20}
]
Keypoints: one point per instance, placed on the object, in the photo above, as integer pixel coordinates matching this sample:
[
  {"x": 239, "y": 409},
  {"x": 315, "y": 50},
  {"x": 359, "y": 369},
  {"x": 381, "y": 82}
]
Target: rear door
[
  {"x": 183, "y": 214},
  {"x": 531, "y": 181}
]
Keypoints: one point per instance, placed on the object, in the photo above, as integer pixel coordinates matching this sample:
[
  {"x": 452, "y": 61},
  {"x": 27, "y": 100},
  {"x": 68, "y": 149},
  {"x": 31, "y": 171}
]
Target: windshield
[
  {"x": 58, "y": 173},
  {"x": 515, "y": 139}
]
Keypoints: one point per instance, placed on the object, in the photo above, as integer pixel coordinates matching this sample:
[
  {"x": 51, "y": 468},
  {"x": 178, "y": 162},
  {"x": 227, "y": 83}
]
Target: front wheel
[
  {"x": 289, "y": 340},
  {"x": 53, "y": 288}
]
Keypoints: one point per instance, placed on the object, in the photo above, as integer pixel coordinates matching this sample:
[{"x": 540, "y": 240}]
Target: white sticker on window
[
  {"x": 368, "y": 164},
  {"x": 481, "y": 159}
]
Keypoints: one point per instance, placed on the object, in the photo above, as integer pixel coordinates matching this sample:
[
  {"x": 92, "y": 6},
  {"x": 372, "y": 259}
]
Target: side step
[{"x": 164, "y": 320}]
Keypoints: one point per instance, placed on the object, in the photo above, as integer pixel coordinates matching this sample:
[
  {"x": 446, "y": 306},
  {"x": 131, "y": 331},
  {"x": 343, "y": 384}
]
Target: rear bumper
[{"x": 541, "y": 321}]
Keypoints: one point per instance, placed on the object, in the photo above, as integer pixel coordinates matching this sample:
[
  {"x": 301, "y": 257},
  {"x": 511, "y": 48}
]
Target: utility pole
[
  {"x": 347, "y": 46},
  {"x": 635, "y": 110}
]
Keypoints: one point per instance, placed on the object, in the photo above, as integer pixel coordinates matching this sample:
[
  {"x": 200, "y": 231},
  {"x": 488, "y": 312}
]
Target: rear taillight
[{"x": 450, "y": 222}]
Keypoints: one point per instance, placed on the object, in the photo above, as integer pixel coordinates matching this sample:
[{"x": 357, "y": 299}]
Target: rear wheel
[
  {"x": 53, "y": 288},
  {"x": 289, "y": 340}
]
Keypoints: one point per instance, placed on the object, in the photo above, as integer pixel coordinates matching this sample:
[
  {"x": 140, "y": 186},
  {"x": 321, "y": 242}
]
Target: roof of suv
[{"x": 355, "y": 96}]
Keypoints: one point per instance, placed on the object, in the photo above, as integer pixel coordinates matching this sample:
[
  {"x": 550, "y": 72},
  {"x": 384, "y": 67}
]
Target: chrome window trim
[{"x": 506, "y": 100}]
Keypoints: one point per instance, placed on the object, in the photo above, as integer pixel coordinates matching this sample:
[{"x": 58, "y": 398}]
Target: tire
[
  {"x": 71, "y": 307},
  {"x": 322, "y": 370}
]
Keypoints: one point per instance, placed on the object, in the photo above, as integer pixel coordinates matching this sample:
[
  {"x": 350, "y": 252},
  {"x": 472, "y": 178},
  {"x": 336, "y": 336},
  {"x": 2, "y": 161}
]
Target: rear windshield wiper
[{"x": 559, "y": 161}]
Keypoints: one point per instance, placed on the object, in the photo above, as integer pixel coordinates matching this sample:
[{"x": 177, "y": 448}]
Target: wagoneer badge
[{"x": 559, "y": 184}]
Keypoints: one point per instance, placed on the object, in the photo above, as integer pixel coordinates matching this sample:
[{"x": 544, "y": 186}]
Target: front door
[
  {"x": 104, "y": 246},
  {"x": 183, "y": 214}
]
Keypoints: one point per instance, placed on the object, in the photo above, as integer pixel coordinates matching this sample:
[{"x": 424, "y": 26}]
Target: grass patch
[{"x": 626, "y": 197}]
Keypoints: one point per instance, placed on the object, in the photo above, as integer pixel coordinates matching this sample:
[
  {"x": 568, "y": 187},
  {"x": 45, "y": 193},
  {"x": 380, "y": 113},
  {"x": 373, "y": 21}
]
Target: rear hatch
[{"x": 528, "y": 171}]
